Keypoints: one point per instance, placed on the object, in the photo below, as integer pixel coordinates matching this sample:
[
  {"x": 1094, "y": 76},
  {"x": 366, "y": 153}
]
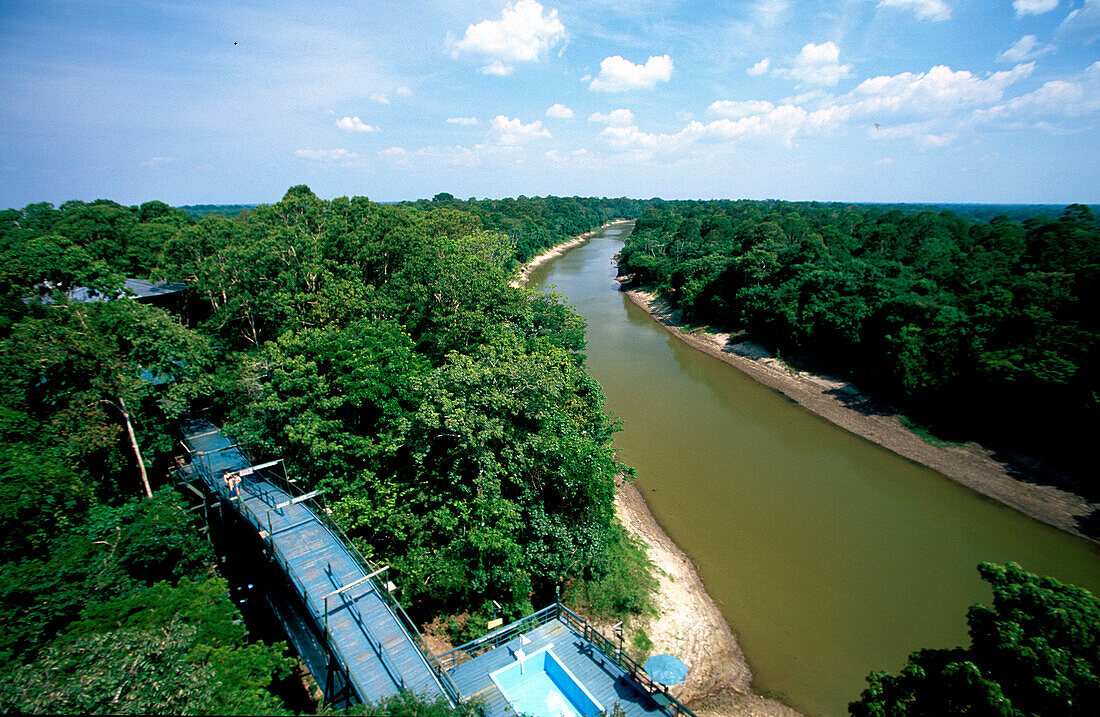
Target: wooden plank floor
[
  {"x": 605, "y": 680},
  {"x": 379, "y": 654}
]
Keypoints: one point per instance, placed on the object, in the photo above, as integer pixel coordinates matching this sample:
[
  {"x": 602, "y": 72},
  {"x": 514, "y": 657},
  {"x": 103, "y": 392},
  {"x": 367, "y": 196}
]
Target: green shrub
[{"x": 624, "y": 584}]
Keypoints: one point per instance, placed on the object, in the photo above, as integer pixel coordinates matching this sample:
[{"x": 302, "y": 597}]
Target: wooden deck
[
  {"x": 602, "y": 677},
  {"x": 364, "y": 632}
]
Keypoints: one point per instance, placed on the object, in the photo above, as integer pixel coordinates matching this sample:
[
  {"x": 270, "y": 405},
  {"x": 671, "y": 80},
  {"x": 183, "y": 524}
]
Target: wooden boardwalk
[{"x": 364, "y": 632}]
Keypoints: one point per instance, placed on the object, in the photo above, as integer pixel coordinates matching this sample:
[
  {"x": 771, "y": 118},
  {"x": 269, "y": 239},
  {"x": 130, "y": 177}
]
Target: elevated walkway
[{"x": 359, "y": 624}]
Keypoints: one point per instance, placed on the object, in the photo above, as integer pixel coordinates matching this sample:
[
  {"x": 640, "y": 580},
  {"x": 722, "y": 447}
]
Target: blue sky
[{"x": 849, "y": 100}]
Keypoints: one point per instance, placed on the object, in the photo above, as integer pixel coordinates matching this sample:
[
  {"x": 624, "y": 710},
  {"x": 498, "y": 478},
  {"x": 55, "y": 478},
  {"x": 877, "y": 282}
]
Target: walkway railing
[
  {"x": 578, "y": 624},
  {"x": 253, "y": 483},
  {"x": 481, "y": 645}
]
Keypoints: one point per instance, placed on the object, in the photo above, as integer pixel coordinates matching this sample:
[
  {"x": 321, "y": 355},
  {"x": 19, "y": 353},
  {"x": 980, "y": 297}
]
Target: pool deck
[{"x": 606, "y": 681}]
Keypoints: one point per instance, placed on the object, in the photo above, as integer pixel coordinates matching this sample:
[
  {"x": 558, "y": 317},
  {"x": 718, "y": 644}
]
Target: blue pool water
[{"x": 544, "y": 687}]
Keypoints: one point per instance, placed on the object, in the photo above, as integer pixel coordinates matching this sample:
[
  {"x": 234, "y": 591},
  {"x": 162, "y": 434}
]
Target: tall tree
[{"x": 1035, "y": 652}]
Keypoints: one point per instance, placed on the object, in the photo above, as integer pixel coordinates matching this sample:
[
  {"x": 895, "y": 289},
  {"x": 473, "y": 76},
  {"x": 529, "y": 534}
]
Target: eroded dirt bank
[{"x": 841, "y": 403}]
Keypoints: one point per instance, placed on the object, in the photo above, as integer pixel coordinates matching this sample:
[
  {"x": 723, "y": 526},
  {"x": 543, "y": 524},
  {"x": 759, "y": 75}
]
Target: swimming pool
[{"x": 541, "y": 686}]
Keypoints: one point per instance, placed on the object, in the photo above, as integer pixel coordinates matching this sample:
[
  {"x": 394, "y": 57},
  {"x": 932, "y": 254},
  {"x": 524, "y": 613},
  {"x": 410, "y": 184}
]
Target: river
[{"x": 829, "y": 556}]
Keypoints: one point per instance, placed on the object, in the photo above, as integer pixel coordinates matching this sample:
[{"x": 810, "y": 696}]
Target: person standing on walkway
[{"x": 233, "y": 482}]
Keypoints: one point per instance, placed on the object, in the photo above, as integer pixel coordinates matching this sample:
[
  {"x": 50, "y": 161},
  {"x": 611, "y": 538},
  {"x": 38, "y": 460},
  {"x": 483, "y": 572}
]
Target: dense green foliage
[
  {"x": 406, "y": 704},
  {"x": 1012, "y": 212},
  {"x": 626, "y": 587},
  {"x": 381, "y": 352},
  {"x": 533, "y": 224},
  {"x": 107, "y": 601},
  {"x": 378, "y": 349},
  {"x": 1036, "y": 652},
  {"x": 165, "y": 649},
  {"x": 985, "y": 330}
]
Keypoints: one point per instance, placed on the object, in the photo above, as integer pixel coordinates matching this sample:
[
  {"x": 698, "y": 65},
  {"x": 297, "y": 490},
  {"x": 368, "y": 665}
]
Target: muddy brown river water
[{"x": 829, "y": 555}]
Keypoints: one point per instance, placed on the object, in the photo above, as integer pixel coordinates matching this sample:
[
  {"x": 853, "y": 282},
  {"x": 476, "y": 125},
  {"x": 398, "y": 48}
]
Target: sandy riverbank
[
  {"x": 841, "y": 403},
  {"x": 556, "y": 251},
  {"x": 688, "y": 624}
]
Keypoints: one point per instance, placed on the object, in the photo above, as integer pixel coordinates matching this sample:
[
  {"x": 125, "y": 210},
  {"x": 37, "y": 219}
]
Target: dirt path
[{"x": 841, "y": 403}]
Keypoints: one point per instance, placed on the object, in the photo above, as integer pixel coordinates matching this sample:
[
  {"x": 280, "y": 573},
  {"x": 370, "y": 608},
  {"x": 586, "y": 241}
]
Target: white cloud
[
  {"x": 498, "y": 68},
  {"x": 927, "y": 134},
  {"x": 403, "y": 91},
  {"x": 760, "y": 67},
  {"x": 616, "y": 118},
  {"x": 380, "y": 98},
  {"x": 559, "y": 111},
  {"x": 512, "y": 131},
  {"x": 930, "y": 109},
  {"x": 941, "y": 89},
  {"x": 1083, "y": 23},
  {"x": 621, "y": 75},
  {"x": 934, "y": 106},
  {"x": 735, "y": 110},
  {"x": 817, "y": 65},
  {"x": 770, "y": 12},
  {"x": 1026, "y": 48},
  {"x": 630, "y": 137},
  {"x": 158, "y": 161},
  {"x": 354, "y": 124},
  {"x": 805, "y": 97},
  {"x": 1058, "y": 98},
  {"x": 464, "y": 121},
  {"x": 934, "y": 10},
  {"x": 326, "y": 155},
  {"x": 782, "y": 123},
  {"x": 393, "y": 154},
  {"x": 1033, "y": 7},
  {"x": 522, "y": 34}
]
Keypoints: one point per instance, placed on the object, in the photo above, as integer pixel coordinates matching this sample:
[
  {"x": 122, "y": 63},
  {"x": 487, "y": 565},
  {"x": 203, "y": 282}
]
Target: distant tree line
[
  {"x": 201, "y": 211},
  {"x": 377, "y": 348},
  {"x": 983, "y": 330},
  {"x": 534, "y": 224}
]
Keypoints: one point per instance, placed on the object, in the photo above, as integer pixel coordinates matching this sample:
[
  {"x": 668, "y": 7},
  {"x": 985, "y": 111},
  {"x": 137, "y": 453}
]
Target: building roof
[{"x": 140, "y": 288}]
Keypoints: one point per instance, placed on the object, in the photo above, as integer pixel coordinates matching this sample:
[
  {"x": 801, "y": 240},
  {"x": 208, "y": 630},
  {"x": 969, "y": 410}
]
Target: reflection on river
[{"x": 830, "y": 556}]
